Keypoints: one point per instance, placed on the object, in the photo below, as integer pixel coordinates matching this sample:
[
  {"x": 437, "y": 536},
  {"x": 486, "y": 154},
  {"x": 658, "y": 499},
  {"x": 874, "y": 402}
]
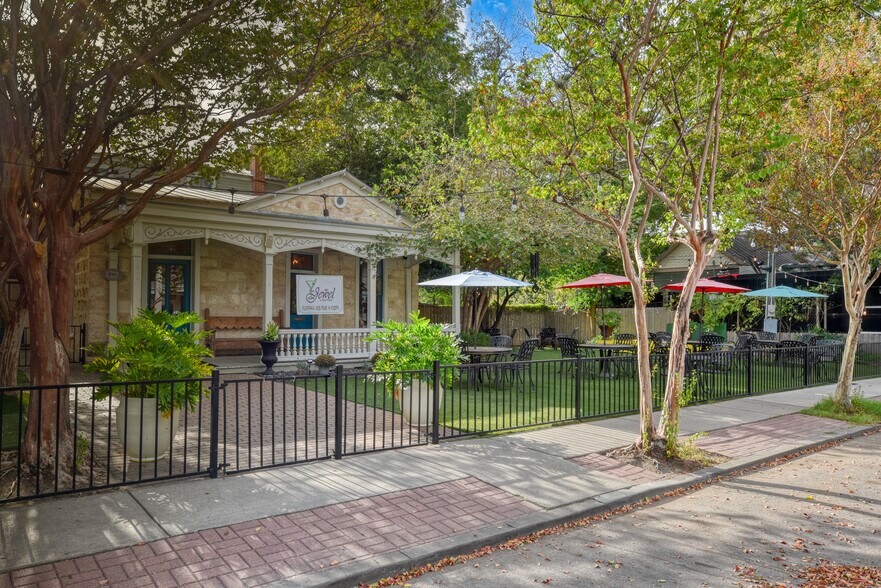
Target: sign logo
[{"x": 320, "y": 295}]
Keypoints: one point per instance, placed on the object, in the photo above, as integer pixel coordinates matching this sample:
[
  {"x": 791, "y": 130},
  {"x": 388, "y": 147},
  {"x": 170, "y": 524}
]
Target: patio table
[
  {"x": 477, "y": 354},
  {"x": 606, "y": 350}
]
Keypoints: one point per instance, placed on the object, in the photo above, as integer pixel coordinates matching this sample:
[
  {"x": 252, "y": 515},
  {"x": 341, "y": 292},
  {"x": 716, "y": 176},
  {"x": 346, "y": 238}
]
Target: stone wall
[
  {"x": 91, "y": 298},
  {"x": 357, "y": 208},
  {"x": 334, "y": 263}
]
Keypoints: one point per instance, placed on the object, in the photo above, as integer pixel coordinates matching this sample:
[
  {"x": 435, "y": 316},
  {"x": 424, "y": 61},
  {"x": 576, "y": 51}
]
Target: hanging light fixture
[
  {"x": 232, "y": 204},
  {"x": 514, "y": 206},
  {"x": 326, "y": 212},
  {"x": 559, "y": 198},
  {"x": 398, "y": 213},
  {"x": 462, "y": 213}
]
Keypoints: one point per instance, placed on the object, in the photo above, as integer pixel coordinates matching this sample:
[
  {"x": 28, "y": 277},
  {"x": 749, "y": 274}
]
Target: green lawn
[
  {"x": 491, "y": 403},
  {"x": 864, "y": 412}
]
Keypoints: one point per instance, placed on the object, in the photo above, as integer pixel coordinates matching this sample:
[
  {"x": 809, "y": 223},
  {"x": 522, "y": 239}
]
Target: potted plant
[
  {"x": 269, "y": 345},
  {"x": 608, "y": 323},
  {"x": 164, "y": 357},
  {"x": 414, "y": 347},
  {"x": 324, "y": 363}
]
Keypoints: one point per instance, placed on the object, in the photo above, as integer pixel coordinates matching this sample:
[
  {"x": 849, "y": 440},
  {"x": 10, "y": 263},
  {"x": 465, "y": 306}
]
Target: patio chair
[
  {"x": 628, "y": 365},
  {"x": 827, "y": 358},
  {"x": 792, "y": 354},
  {"x": 500, "y": 341},
  {"x": 569, "y": 350},
  {"x": 520, "y": 364},
  {"x": 547, "y": 336},
  {"x": 707, "y": 340},
  {"x": 492, "y": 331}
]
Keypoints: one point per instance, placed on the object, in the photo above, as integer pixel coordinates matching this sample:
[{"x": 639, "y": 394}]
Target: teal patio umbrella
[{"x": 788, "y": 292}]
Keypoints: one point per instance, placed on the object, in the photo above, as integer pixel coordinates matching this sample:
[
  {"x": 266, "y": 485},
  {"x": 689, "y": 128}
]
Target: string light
[{"x": 232, "y": 204}]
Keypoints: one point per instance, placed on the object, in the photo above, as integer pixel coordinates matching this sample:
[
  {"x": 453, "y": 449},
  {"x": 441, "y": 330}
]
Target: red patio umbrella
[
  {"x": 707, "y": 285},
  {"x": 598, "y": 281}
]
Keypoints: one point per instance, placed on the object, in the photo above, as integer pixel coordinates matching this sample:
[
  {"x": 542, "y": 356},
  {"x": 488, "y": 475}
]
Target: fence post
[
  {"x": 749, "y": 370},
  {"x": 435, "y": 403},
  {"x": 578, "y": 391},
  {"x": 215, "y": 423},
  {"x": 806, "y": 366},
  {"x": 338, "y": 414},
  {"x": 83, "y": 343}
]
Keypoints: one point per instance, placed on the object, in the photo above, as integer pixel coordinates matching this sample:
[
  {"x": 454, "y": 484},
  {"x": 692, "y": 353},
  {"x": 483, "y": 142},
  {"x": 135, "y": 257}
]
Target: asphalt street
[{"x": 767, "y": 525}]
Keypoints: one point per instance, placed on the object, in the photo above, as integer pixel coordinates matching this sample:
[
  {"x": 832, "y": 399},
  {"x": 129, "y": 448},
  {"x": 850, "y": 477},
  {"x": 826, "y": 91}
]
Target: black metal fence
[
  {"x": 76, "y": 348},
  {"x": 119, "y": 434}
]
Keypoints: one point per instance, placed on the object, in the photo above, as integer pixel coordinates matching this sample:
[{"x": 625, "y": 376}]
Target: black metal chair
[
  {"x": 499, "y": 341},
  {"x": 520, "y": 364},
  {"x": 793, "y": 354},
  {"x": 828, "y": 358},
  {"x": 547, "y": 336},
  {"x": 707, "y": 340},
  {"x": 569, "y": 350}
]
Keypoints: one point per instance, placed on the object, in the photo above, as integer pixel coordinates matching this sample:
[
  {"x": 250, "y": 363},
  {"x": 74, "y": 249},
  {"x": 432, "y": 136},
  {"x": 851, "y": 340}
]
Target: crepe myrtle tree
[
  {"x": 645, "y": 104},
  {"x": 146, "y": 92},
  {"x": 824, "y": 192}
]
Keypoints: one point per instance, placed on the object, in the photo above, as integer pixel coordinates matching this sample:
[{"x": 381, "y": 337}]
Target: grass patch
[{"x": 863, "y": 412}]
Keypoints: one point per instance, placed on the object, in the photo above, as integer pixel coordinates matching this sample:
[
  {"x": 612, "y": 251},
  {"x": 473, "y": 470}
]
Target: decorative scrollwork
[
  {"x": 350, "y": 247},
  {"x": 170, "y": 233},
  {"x": 292, "y": 243},
  {"x": 249, "y": 240}
]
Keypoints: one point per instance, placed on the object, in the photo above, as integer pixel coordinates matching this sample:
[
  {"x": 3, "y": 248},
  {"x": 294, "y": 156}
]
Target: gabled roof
[{"x": 340, "y": 178}]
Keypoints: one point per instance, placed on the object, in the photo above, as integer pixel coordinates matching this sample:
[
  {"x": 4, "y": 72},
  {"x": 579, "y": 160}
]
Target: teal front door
[
  {"x": 298, "y": 321},
  {"x": 168, "y": 285}
]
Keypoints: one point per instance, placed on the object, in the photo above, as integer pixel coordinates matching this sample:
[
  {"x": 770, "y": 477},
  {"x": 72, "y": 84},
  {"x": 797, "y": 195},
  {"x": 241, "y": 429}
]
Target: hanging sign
[{"x": 319, "y": 294}]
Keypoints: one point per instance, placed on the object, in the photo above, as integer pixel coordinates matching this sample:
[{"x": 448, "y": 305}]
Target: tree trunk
[
  {"x": 48, "y": 442},
  {"x": 679, "y": 337},
  {"x": 849, "y": 356},
  {"x": 10, "y": 346}
]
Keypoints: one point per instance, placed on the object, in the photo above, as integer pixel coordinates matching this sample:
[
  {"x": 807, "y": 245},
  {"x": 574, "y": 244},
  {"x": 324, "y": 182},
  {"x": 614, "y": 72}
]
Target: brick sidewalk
[
  {"x": 743, "y": 440},
  {"x": 282, "y": 547}
]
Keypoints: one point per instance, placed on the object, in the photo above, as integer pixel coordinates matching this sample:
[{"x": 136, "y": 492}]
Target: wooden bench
[{"x": 221, "y": 345}]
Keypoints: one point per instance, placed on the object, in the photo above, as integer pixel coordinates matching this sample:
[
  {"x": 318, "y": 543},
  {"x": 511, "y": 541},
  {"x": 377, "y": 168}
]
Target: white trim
[{"x": 196, "y": 283}]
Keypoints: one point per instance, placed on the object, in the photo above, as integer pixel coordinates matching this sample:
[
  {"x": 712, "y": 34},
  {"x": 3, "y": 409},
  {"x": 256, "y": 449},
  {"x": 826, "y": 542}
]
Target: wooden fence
[{"x": 581, "y": 324}]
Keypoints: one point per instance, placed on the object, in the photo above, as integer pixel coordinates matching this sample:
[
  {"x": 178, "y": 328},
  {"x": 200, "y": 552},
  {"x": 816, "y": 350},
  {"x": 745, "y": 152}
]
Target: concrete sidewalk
[{"x": 336, "y": 522}]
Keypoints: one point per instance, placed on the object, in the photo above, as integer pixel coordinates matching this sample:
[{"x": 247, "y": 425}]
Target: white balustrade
[{"x": 303, "y": 344}]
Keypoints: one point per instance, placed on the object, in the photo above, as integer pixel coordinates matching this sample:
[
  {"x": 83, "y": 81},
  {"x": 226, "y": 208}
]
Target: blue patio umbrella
[
  {"x": 784, "y": 292},
  {"x": 788, "y": 292}
]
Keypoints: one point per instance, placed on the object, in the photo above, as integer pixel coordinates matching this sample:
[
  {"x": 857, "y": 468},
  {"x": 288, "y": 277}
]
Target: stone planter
[
  {"x": 269, "y": 356},
  {"x": 324, "y": 371},
  {"x": 416, "y": 403},
  {"x": 145, "y": 434}
]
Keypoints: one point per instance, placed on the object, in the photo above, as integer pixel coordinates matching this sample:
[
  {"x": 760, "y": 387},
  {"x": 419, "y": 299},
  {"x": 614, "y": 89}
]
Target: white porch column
[
  {"x": 457, "y": 296},
  {"x": 408, "y": 288},
  {"x": 137, "y": 279},
  {"x": 267, "y": 287},
  {"x": 371, "y": 299},
  {"x": 112, "y": 285}
]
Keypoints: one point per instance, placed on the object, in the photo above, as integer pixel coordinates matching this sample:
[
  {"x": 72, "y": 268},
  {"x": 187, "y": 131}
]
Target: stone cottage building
[{"x": 235, "y": 251}]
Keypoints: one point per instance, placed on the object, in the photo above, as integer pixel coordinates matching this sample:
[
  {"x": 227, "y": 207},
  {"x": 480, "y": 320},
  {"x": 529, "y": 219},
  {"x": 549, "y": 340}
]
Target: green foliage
[
  {"x": 862, "y": 412},
  {"x": 413, "y": 346},
  {"x": 474, "y": 338},
  {"x": 271, "y": 333},
  {"x": 610, "y": 319},
  {"x": 718, "y": 308},
  {"x": 325, "y": 361},
  {"x": 156, "y": 345}
]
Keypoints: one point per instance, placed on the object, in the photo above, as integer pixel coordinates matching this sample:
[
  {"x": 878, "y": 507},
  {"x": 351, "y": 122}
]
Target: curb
[{"x": 377, "y": 568}]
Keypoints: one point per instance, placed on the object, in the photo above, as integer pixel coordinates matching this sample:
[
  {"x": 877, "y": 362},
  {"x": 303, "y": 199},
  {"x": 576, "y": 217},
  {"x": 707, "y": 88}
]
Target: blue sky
[{"x": 510, "y": 17}]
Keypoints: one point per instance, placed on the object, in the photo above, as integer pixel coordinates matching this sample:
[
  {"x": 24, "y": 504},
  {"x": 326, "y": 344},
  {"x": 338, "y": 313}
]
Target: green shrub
[
  {"x": 271, "y": 333},
  {"x": 154, "y": 346},
  {"x": 474, "y": 338},
  {"x": 325, "y": 361},
  {"x": 413, "y": 346}
]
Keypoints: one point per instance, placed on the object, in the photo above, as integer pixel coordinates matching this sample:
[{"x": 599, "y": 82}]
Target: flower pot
[
  {"x": 416, "y": 403},
  {"x": 269, "y": 355},
  {"x": 145, "y": 433}
]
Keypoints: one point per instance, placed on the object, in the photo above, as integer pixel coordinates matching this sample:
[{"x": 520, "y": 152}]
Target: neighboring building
[
  {"x": 236, "y": 256},
  {"x": 749, "y": 265}
]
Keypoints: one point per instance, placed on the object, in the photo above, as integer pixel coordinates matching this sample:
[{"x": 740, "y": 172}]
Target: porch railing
[{"x": 303, "y": 344}]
